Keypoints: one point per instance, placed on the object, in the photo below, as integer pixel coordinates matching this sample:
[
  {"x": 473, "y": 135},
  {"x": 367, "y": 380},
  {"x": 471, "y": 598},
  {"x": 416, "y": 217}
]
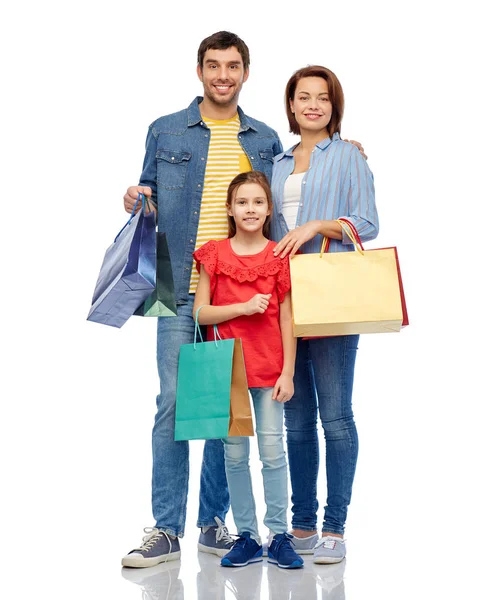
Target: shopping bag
[
  {"x": 127, "y": 275},
  {"x": 212, "y": 399},
  {"x": 161, "y": 302},
  {"x": 342, "y": 293}
]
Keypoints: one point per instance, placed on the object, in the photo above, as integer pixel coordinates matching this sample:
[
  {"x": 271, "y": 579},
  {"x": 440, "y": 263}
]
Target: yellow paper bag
[{"x": 343, "y": 293}]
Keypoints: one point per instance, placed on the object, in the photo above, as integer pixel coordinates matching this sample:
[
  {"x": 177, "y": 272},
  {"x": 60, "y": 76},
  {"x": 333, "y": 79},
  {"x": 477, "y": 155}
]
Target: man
[{"x": 191, "y": 157}]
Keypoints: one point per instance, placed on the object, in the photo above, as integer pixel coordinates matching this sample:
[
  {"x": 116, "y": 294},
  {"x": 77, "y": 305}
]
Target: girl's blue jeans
[
  {"x": 269, "y": 432},
  {"x": 323, "y": 388}
]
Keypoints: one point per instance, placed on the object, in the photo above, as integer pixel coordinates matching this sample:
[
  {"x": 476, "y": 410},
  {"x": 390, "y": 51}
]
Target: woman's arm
[
  {"x": 212, "y": 315},
  {"x": 284, "y": 388}
]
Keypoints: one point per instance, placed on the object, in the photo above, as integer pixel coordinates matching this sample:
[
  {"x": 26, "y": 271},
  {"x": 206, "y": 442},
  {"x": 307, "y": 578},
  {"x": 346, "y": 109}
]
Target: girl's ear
[{"x": 229, "y": 211}]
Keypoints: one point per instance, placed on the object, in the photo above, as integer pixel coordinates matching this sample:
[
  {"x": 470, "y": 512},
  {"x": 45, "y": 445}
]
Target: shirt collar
[
  {"x": 322, "y": 145},
  {"x": 194, "y": 116}
]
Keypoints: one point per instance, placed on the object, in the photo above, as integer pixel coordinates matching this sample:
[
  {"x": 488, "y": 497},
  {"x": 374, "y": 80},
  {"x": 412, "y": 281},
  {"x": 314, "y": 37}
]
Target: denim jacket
[{"x": 174, "y": 168}]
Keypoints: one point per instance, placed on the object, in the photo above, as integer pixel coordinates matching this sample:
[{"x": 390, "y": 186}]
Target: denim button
[{"x": 199, "y": 185}]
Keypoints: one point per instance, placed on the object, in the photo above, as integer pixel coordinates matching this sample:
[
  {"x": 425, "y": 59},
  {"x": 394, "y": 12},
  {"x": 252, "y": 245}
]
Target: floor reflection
[{"x": 214, "y": 582}]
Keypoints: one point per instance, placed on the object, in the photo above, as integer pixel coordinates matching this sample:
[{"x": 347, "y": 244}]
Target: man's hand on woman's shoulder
[{"x": 359, "y": 146}]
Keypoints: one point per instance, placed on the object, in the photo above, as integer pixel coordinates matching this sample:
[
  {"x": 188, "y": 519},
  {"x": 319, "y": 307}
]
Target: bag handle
[
  {"x": 351, "y": 232},
  {"x": 350, "y": 224},
  {"x": 217, "y": 337},
  {"x": 141, "y": 197}
]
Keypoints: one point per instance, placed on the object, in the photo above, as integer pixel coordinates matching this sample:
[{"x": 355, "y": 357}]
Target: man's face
[{"x": 222, "y": 75}]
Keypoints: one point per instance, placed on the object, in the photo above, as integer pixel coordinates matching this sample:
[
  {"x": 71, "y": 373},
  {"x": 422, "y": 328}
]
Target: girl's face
[
  {"x": 311, "y": 105},
  {"x": 249, "y": 207}
]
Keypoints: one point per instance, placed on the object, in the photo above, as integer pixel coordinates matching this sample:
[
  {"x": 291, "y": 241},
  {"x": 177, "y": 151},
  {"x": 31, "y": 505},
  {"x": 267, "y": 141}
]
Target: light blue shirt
[{"x": 338, "y": 183}]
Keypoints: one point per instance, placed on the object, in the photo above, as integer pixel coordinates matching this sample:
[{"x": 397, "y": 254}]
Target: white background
[{"x": 80, "y": 85}]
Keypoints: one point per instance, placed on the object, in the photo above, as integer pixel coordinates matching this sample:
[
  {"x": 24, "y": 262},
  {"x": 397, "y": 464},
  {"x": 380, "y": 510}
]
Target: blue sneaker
[
  {"x": 245, "y": 550},
  {"x": 281, "y": 552}
]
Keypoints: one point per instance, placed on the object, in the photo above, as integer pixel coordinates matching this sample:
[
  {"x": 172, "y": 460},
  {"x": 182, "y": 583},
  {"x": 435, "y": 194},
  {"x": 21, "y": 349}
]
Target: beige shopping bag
[{"x": 342, "y": 293}]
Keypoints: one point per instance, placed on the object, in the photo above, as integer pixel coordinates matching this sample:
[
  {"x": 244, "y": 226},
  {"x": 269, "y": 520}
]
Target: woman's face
[{"x": 311, "y": 105}]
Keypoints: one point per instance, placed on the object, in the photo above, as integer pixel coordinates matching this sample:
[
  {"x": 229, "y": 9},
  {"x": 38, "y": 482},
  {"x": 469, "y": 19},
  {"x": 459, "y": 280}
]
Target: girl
[
  {"x": 243, "y": 288},
  {"x": 314, "y": 183}
]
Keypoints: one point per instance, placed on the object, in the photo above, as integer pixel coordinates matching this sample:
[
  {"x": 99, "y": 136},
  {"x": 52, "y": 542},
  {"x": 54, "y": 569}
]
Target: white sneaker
[
  {"x": 328, "y": 550},
  {"x": 305, "y": 545}
]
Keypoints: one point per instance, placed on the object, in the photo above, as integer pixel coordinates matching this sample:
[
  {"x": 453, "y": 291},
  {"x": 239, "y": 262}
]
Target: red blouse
[{"x": 235, "y": 278}]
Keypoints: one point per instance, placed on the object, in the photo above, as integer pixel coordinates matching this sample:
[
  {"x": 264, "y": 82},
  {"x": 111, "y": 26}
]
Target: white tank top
[{"x": 291, "y": 199}]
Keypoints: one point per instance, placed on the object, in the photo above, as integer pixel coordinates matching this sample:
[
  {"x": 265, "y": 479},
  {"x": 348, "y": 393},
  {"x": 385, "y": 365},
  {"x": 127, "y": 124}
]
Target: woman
[{"x": 314, "y": 183}]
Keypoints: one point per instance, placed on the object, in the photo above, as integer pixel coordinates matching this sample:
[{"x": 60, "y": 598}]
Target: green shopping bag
[
  {"x": 212, "y": 399},
  {"x": 161, "y": 302}
]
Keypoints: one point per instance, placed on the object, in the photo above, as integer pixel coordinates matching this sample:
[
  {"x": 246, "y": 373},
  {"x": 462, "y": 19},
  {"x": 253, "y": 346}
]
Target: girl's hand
[
  {"x": 258, "y": 304},
  {"x": 284, "y": 388},
  {"x": 296, "y": 238}
]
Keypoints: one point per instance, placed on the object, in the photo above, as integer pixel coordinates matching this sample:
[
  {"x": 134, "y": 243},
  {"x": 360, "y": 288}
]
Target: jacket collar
[{"x": 194, "y": 116}]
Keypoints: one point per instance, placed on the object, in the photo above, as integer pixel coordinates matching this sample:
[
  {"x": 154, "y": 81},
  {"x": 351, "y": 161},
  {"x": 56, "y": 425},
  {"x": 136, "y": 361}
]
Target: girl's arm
[
  {"x": 284, "y": 388},
  {"x": 212, "y": 315}
]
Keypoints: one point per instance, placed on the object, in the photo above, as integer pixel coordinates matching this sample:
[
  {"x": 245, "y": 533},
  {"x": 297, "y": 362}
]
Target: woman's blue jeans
[
  {"x": 323, "y": 386},
  {"x": 269, "y": 430}
]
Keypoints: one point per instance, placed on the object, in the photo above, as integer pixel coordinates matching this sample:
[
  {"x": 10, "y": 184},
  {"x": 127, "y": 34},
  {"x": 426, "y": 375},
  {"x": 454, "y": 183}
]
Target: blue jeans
[
  {"x": 269, "y": 430},
  {"x": 171, "y": 459},
  {"x": 323, "y": 385}
]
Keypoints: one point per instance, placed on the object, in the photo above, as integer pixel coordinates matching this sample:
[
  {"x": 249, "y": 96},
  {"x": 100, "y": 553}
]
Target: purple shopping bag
[{"x": 127, "y": 276}]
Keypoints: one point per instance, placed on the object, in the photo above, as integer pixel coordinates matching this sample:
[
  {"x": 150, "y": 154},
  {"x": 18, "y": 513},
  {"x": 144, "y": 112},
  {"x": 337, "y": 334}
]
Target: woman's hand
[
  {"x": 284, "y": 388},
  {"x": 296, "y": 238},
  {"x": 258, "y": 304}
]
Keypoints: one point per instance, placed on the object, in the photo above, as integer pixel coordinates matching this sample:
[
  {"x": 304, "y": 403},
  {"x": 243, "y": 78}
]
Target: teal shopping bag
[
  {"x": 161, "y": 302},
  {"x": 212, "y": 399}
]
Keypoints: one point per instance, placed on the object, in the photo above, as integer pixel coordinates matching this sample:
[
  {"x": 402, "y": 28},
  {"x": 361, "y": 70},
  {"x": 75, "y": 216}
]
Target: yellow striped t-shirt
[{"x": 226, "y": 159}]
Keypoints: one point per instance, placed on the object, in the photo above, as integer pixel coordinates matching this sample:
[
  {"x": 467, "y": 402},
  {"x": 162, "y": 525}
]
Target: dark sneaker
[
  {"x": 282, "y": 554},
  {"x": 245, "y": 550},
  {"x": 157, "y": 547},
  {"x": 215, "y": 540}
]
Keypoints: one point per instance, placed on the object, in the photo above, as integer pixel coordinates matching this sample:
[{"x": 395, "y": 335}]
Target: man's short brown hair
[
  {"x": 336, "y": 96},
  {"x": 222, "y": 40}
]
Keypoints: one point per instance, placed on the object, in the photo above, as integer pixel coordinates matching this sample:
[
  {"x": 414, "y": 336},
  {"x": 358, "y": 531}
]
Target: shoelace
[
  {"x": 152, "y": 537},
  {"x": 222, "y": 534},
  {"x": 285, "y": 541}
]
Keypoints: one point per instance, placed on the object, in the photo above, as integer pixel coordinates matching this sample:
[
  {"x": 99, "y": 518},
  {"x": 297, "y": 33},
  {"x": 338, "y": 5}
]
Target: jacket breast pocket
[
  {"x": 267, "y": 161},
  {"x": 172, "y": 167}
]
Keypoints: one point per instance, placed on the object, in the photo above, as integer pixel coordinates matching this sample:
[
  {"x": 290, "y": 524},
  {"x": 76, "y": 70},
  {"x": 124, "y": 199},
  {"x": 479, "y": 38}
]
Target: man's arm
[{"x": 148, "y": 179}]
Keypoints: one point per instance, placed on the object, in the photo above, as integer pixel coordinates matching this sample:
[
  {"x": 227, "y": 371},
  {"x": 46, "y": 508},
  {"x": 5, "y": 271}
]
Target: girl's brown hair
[
  {"x": 336, "y": 97},
  {"x": 239, "y": 180}
]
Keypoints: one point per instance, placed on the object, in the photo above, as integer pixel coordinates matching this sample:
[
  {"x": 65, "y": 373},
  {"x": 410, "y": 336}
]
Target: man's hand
[
  {"x": 284, "y": 388},
  {"x": 258, "y": 304},
  {"x": 131, "y": 196},
  {"x": 359, "y": 146}
]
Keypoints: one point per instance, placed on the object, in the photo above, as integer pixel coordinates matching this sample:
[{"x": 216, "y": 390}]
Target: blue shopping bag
[{"x": 127, "y": 276}]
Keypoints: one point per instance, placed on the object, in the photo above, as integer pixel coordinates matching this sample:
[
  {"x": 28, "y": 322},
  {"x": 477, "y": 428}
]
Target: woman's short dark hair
[
  {"x": 336, "y": 96},
  {"x": 222, "y": 40}
]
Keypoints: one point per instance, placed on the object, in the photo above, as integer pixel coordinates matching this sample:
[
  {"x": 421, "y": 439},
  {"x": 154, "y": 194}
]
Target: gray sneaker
[
  {"x": 305, "y": 545},
  {"x": 157, "y": 547},
  {"x": 215, "y": 540},
  {"x": 329, "y": 550}
]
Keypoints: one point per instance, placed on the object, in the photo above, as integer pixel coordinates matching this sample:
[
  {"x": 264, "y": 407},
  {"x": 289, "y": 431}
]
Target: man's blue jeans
[
  {"x": 269, "y": 429},
  {"x": 323, "y": 385},
  {"x": 170, "y": 458}
]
